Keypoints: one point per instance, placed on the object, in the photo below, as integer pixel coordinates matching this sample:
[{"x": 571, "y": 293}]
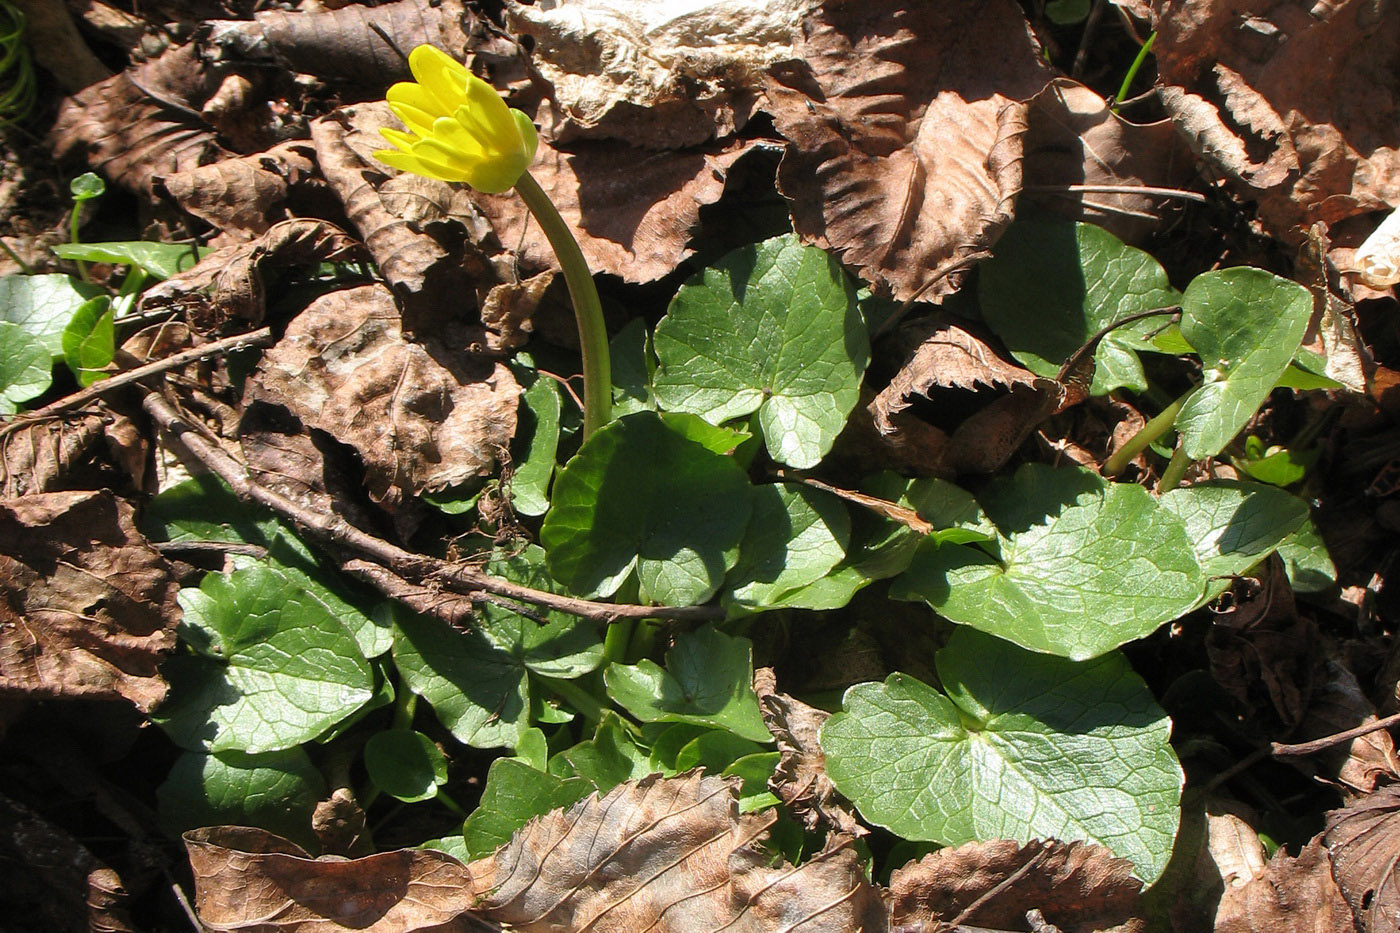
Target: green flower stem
[
  {"x": 452, "y": 806},
  {"x": 1176, "y": 469},
  {"x": 592, "y": 333},
  {"x": 1144, "y": 437},
  {"x": 616, "y": 639},
  {"x": 579, "y": 699},
  {"x": 1133, "y": 69}
]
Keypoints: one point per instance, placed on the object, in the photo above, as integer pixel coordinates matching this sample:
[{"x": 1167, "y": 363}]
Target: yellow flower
[{"x": 459, "y": 128}]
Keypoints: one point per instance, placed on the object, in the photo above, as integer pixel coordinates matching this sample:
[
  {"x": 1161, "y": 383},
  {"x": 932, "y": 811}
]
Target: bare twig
[
  {"x": 330, "y": 528},
  {"x": 1005, "y": 883},
  {"x": 1145, "y": 190},
  {"x": 1280, "y": 750}
]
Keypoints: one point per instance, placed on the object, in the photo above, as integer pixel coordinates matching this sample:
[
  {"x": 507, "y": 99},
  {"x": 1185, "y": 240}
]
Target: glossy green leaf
[
  {"x": 159, "y": 260},
  {"x": 1277, "y": 466},
  {"x": 795, "y": 536},
  {"x": 566, "y": 646},
  {"x": 610, "y": 757},
  {"x": 42, "y": 305},
  {"x": 754, "y": 770},
  {"x": 772, "y": 328},
  {"x": 514, "y": 794},
  {"x": 1023, "y": 746},
  {"x": 1052, "y": 284},
  {"x": 26, "y": 367},
  {"x": 1245, "y": 324},
  {"x": 89, "y": 340},
  {"x": 632, "y": 368},
  {"x": 87, "y": 186},
  {"x": 640, "y": 498},
  {"x": 405, "y": 764},
  {"x": 277, "y": 791},
  {"x": 1309, "y": 566},
  {"x": 270, "y": 667},
  {"x": 1234, "y": 525},
  {"x": 715, "y": 751},
  {"x": 536, "y": 442},
  {"x": 708, "y": 681},
  {"x": 1085, "y": 565}
]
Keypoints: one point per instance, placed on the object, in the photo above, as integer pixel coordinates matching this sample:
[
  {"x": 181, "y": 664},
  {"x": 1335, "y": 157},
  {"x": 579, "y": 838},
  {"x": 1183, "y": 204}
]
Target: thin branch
[
  {"x": 1147, "y": 190},
  {"x": 1279, "y": 750},
  {"x": 335, "y": 530},
  {"x": 257, "y": 338},
  {"x": 1005, "y": 883}
]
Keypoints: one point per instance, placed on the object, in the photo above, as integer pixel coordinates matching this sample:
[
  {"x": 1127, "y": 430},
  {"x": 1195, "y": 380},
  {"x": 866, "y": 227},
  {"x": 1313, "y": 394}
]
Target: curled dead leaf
[
  {"x": 904, "y": 127},
  {"x": 1077, "y": 886},
  {"x": 87, "y": 607},
  {"x": 1295, "y": 894},
  {"x": 1362, "y": 840},
  {"x": 1284, "y": 100},
  {"x": 242, "y": 196},
  {"x": 1338, "y": 704},
  {"x": 250, "y": 880},
  {"x": 667, "y": 855},
  {"x": 422, "y": 416}
]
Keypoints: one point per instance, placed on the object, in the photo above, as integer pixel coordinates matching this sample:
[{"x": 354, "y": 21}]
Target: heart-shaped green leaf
[
  {"x": 271, "y": 668},
  {"x": 514, "y": 794},
  {"x": 405, "y": 764},
  {"x": 536, "y": 442},
  {"x": 641, "y": 497},
  {"x": 277, "y": 791},
  {"x": 1023, "y": 746},
  {"x": 1085, "y": 565},
  {"x": 160, "y": 260},
  {"x": 1245, "y": 324},
  {"x": 43, "y": 305},
  {"x": 609, "y": 758},
  {"x": 795, "y": 536},
  {"x": 26, "y": 367},
  {"x": 1052, "y": 284},
  {"x": 708, "y": 681},
  {"x": 772, "y": 328}
]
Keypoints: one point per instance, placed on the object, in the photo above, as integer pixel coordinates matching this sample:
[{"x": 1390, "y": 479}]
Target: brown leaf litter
[
  {"x": 1363, "y": 840},
  {"x": 1291, "y": 893}
]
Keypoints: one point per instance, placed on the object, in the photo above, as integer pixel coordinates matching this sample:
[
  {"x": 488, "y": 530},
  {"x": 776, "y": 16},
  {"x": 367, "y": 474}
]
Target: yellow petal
[
  {"x": 454, "y": 135},
  {"x": 413, "y": 96},
  {"x": 489, "y": 115},
  {"x": 407, "y": 162},
  {"x": 428, "y": 58},
  {"x": 403, "y": 141},
  {"x": 447, "y": 86}
]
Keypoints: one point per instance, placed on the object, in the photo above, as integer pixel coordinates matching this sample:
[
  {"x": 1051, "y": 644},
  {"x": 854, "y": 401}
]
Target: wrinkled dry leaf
[
  {"x": 1339, "y": 704},
  {"x": 230, "y": 284},
  {"x": 142, "y": 123},
  {"x": 422, "y": 416},
  {"x": 56, "y": 44},
  {"x": 87, "y": 607},
  {"x": 52, "y": 880},
  {"x": 633, "y": 210},
  {"x": 1077, "y": 886},
  {"x": 667, "y": 855},
  {"x": 1377, "y": 260},
  {"x": 1293, "y": 894},
  {"x": 800, "y": 780},
  {"x": 1075, "y": 139},
  {"x": 1289, "y": 101},
  {"x": 904, "y": 126},
  {"x": 1234, "y": 849},
  {"x": 339, "y": 824},
  {"x": 1349, "y": 360},
  {"x": 250, "y": 880},
  {"x": 1364, "y": 842},
  {"x": 655, "y": 75},
  {"x": 428, "y": 239},
  {"x": 343, "y": 44},
  {"x": 38, "y": 457},
  {"x": 246, "y": 195}
]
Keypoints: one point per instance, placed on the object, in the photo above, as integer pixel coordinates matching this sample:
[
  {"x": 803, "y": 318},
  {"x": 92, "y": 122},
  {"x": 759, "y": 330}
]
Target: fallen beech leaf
[
  {"x": 141, "y": 123},
  {"x": 1337, "y": 705},
  {"x": 800, "y": 779},
  {"x": 904, "y": 127},
  {"x": 244, "y": 195},
  {"x": 343, "y": 44},
  {"x": 422, "y": 416},
  {"x": 38, "y": 457},
  {"x": 1073, "y": 138},
  {"x": 1377, "y": 260},
  {"x": 667, "y": 855},
  {"x": 1243, "y": 80},
  {"x": 1362, "y": 840},
  {"x": 1077, "y": 886},
  {"x": 250, "y": 880},
  {"x": 87, "y": 607},
  {"x": 654, "y": 75},
  {"x": 229, "y": 284},
  {"x": 1296, "y": 894}
]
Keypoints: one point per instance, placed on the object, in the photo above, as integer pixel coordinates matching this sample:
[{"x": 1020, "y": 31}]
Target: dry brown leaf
[
  {"x": 1293, "y": 894},
  {"x": 1077, "y": 886},
  {"x": 343, "y": 44},
  {"x": 143, "y": 122},
  {"x": 52, "y": 880},
  {"x": 229, "y": 284},
  {"x": 87, "y": 607},
  {"x": 1339, "y": 704},
  {"x": 1364, "y": 842},
  {"x": 1289, "y": 101},
  {"x": 800, "y": 779},
  {"x": 422, "y": 416},
  {"x": 246, "y": 195},
  {"x": 250, "y": 880},
  {"x": 1075, "y": 139},
  {"x": 633, "y": 210},
  {"x": 667, "y": 855},
  {"x": 904, "y": 125},
  {"x": 39, "y": 457},
  {"x": 654, "y": 75}
]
